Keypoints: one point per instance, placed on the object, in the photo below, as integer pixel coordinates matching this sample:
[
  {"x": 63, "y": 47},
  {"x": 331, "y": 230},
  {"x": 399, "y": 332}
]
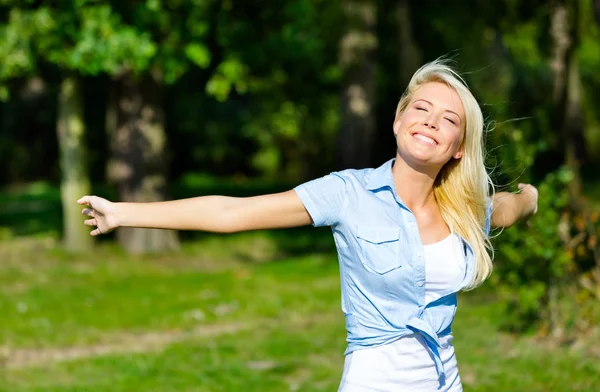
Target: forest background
[{"x": 153, "y": 100}]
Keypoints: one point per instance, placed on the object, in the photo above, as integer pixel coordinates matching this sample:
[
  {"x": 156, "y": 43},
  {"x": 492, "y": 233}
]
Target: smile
[{"x": 424, "y": 139}]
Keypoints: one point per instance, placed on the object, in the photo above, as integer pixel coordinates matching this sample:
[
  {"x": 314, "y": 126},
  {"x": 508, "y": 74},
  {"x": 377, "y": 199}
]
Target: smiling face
[{"x": 430, "y": 130}]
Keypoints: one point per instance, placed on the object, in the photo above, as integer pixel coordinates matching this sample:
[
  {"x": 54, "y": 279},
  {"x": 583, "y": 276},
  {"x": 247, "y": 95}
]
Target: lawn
[{"x": 247, "y": 312}]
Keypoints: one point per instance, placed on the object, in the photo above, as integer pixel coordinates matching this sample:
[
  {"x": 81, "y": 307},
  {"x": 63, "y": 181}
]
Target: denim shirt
[{"x": 381, "y": 256}]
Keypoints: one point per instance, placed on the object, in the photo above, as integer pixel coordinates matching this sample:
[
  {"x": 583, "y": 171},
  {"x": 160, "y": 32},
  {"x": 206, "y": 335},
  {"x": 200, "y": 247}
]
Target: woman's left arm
[{"x": 509, "y": 208}]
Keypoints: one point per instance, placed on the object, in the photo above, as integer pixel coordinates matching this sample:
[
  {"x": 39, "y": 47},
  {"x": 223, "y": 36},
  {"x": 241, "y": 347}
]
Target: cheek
[
  {"x": 411, "y": 117},
  {"x": 406, "y": 123},
  {"x": 455, "y": 137}
]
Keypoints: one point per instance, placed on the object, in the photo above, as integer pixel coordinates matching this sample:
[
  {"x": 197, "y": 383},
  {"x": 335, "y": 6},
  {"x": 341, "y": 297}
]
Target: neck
[{"x": 420, "y": 192}]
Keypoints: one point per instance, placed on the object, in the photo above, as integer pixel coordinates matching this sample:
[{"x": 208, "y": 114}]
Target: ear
[
  {"x": 397, "y": 123},
  {"x": 458, "y": 154}
]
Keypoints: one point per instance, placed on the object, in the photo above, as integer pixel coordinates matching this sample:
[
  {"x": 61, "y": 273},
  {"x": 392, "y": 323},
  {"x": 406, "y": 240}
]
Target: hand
[
  {"x": 531, "y": 202},
  {"x": 102, "y": 212}
]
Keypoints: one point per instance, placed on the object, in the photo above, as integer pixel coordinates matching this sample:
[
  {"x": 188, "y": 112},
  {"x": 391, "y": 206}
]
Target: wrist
[
  {"x": 119, "y": 214},
  {"x": 529, "y": 202}
]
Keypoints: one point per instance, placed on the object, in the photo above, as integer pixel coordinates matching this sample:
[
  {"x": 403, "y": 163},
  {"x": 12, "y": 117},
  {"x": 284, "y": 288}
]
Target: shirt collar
[{"x": 381, "y": 177}]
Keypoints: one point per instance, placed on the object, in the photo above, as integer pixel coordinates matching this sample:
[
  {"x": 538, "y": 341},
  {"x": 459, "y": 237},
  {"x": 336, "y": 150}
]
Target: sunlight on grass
[{"x": 222, "y": 315}]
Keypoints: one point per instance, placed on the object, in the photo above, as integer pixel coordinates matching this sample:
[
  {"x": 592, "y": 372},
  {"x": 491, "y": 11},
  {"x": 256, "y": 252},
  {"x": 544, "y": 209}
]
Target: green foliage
[
  {"x": 249, "y": 58},
  {"x": 16, "y": 58},
  {"x": 91, "y": 37},
  {"x": 102, "y": 44},
  {"x": 533, "y": 258},
  {"x": 198, "y": 54},
  {"x": 231, "y": 74}
]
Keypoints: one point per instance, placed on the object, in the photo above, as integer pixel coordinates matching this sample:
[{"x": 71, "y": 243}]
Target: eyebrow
[{"x": 449, "y": 111}]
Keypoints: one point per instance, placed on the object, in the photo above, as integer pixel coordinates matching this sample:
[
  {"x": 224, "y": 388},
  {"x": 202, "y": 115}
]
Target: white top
[
  {"x": 445, "y": 266},
  {"x": 406, "y": 364}
]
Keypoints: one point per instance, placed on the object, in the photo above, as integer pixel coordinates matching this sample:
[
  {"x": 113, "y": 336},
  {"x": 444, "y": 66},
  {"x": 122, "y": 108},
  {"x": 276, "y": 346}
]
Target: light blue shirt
[{"x": 382, "y": 266}]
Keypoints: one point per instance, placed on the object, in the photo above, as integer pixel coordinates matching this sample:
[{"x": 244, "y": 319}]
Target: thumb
[{"x": 85, "y": 200}]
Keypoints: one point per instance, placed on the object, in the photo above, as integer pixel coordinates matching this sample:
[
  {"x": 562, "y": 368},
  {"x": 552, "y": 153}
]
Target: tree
[
  {"x": 73, "y": 162},
  {"x": 358, "y": 65},
  {"x": 140, "y": 56},
  {"x": 409, "y": 58},
  {"x": 139, "y": 164},
  {"x": 579, "y": 224},
  {"x": 20, "y": 56},
  {"x": 139, "y": 140},
  {"x": 82, "y": 38},
  {"x": 567, "y": 88}
]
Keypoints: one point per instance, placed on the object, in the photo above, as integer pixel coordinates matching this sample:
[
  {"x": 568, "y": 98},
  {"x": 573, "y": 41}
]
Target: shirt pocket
[{"x": 380, "y": 247}]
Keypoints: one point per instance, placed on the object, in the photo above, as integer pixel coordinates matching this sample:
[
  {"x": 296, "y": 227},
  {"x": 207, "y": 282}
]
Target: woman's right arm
[{"x": 220, "y": 214}]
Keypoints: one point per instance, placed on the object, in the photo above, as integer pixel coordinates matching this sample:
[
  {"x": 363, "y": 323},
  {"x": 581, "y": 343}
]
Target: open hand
[{"x": 102, "y": 214}]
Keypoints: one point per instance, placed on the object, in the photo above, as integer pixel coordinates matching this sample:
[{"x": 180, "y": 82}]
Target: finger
[
  {"x": 95, "y": 232},
  {"x": 85, "y": 200},
  {"x": 91, "y": 222},
  {"x": 521, "y": 186},
  {"x": 89, "y": 212}
]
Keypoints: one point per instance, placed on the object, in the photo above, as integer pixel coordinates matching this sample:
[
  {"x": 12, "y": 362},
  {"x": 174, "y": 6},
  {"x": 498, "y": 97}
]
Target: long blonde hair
[{"x": 462, "y": 187}]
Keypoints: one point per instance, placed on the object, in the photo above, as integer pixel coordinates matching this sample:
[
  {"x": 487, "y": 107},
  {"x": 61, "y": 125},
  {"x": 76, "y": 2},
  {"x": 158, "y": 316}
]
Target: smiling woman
[
  {"x": 439, "y": 133},
  {"x": 409, "y": 234}
]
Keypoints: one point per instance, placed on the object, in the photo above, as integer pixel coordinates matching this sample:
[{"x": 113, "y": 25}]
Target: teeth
[{"x": 425, "y": 139}]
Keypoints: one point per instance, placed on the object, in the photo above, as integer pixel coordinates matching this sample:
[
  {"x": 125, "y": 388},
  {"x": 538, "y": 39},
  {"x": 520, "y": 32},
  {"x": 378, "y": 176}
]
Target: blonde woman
[{"x": 409, "y": 234}]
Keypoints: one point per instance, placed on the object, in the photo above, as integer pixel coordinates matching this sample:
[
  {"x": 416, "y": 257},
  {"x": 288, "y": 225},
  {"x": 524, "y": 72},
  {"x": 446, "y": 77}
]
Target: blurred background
[{"x": 153, "y": 100}]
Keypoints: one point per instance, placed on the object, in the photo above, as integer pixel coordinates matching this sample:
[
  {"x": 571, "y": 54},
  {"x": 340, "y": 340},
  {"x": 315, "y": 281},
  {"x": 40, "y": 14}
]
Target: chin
[
  {"x": 422, "y": 155},
  {"x": 419, "y": 159},
  {"x": 422, "y": 159}
]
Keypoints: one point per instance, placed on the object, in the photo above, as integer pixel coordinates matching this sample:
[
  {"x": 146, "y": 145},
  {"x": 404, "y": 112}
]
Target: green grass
[{"x": 236, "y": 313}]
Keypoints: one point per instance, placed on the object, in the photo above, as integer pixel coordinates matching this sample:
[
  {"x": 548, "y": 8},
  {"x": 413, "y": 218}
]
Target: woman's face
[{"x": 430, "y": 130}]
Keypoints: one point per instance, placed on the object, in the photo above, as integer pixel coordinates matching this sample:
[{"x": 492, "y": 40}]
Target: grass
[{"x": 227, "y": 313}]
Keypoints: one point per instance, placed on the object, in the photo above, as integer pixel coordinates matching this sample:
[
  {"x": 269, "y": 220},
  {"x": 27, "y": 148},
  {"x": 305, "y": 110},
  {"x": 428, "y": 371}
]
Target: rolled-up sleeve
[{"x": 324, "y": 198}]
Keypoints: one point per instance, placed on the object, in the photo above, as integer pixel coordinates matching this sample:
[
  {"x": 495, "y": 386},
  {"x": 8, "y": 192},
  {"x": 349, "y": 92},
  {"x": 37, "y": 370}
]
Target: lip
[{"x": 413, "y": 134}]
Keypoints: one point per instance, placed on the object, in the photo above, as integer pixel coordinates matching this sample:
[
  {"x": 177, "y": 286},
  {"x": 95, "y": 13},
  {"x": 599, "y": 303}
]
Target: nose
[{"x": 430, "y": 123}]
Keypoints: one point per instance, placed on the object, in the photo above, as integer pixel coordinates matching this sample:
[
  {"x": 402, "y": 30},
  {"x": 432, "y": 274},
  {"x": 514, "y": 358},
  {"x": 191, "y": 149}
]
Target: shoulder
[
  {"x": 344, "y": 183},
  {"x": 354, "y": 177}
]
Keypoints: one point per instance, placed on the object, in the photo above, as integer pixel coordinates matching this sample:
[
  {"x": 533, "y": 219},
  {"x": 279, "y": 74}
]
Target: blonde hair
[{"x": 462, "y": 187}]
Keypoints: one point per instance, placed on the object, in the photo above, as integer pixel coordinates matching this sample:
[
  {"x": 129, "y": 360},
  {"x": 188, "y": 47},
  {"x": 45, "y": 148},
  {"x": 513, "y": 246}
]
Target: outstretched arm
[
  {"x": 207, "y": 213},
  {"x": 509, "y": 208}
]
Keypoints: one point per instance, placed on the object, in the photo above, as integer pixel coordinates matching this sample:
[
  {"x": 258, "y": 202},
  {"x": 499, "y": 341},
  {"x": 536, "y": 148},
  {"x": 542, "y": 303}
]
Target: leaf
[
  {"x": 4, "y": 94},
  {"x": 198, "y": 54},
  {"x": 218, "y": 87}
]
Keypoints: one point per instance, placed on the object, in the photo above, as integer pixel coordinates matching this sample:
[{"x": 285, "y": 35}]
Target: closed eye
[
  {"x": 451, "y": 121},
  {"x": 421, "y": 108}
]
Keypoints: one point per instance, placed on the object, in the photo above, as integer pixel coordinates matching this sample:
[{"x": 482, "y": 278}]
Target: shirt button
[{"x": 420, "y": 284}]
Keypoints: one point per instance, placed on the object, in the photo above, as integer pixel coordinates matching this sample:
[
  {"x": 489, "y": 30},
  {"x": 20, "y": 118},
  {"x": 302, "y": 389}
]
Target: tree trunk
[
  {"x": 409, "y": 55},
  {"x": 73, "y": 161},
  {"x": 570, "y": 122},
  {"x": 138, "y": 165},
  {"x": 357, "y": 61},
  {"x": 567, "y": 90}
]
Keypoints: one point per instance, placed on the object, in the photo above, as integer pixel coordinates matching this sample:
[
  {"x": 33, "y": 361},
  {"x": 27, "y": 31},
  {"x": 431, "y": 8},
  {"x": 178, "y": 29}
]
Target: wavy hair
[{"x": 462, "y": 187}]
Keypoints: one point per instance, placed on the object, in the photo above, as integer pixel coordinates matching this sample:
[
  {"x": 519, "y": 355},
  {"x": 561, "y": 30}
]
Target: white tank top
[{"x": 445, "y": 266}]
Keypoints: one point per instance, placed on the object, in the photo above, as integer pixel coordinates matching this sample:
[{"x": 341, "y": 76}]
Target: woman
[{"x": 409, "y": 234}]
